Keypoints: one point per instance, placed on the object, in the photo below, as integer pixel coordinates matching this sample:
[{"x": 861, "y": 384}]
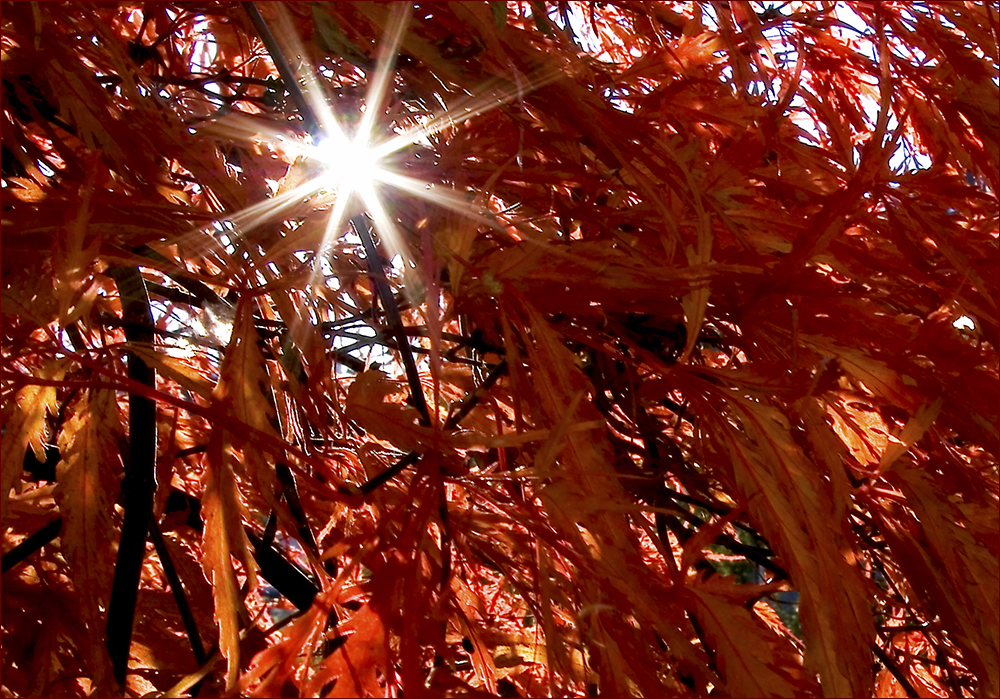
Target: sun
[
  {"x": 355, "y": 164},
  {"x": 347, "y": 165}
]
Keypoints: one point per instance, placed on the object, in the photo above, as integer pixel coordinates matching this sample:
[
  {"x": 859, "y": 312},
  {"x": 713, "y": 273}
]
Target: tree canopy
[{"x": 500, "y": 349}]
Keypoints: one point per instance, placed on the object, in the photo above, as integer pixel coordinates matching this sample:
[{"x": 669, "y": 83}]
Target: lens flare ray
[
  {"x": 375, "y": 101},
  {"x": 352, "y": 167}
]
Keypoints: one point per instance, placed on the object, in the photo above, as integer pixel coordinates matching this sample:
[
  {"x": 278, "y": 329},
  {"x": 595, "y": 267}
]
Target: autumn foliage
[{"x": 660, "y": 359}]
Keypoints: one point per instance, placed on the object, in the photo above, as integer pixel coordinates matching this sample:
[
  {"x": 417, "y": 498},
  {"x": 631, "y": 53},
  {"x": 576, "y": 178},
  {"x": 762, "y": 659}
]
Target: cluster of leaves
[{"x": 699, "y": 324}]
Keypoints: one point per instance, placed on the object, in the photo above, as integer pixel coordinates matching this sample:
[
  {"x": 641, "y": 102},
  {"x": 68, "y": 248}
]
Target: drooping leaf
[
  {"x": 752, "y": 660},
  {"x": 785, "y": 492},
  {"x": 695, "y": 286},
  {"x": 24, "y": 428},
  {"x": 88, "y": 478},
  {"x": 952, "y": 565},
  {"x": 223, "y": 539}
]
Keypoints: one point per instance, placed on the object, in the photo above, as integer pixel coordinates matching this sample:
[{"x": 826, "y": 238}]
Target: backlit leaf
[
  {"x": 88, "y": 478},
  {"x": 24, "y": 428},
  {"x": 752, "y": 660},
  {"x": 223, "y": 539}
]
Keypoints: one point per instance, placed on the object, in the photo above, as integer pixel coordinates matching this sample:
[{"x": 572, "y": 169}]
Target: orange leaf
[
  {"x": 244, "y": 386},
  {"x": 24, "y": 423},
  {"x": 244, "y": 394},
  {"x": 87, "y": 482},
  {"x": 752, "y": 659},
  {"x": 786, "y": 494},
  {"x": 911, "y": 434},
  {"x": 73, "y": 260},
  {"x": 956, "y": 573},
  {"x": 361, "y": 665},
  {"x": 392, "y": 422},
  {"x": 275, "y": 665},
  {"x": 223, "y": 538}
]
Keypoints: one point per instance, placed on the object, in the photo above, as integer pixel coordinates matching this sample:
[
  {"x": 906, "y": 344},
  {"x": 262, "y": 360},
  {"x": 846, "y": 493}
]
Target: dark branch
[
  {"x": 177, "y": 588},
  {"x": 284, "y": 70},
  {"x": 33, "y": 543},
  {"x": 396, "y": 329},
  {"x": 891, "y": 666},
  {"x": 139, "y": 485}
]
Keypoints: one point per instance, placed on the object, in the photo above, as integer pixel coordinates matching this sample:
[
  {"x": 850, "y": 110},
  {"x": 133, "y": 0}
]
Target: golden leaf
[
  {"x": 915, "y": 428},
  {"x": 24, "y": 427},
  {"x": 87, "y": 484},
  {"x": 751, "y": 658},
  {"x": 222, "y": 539}
]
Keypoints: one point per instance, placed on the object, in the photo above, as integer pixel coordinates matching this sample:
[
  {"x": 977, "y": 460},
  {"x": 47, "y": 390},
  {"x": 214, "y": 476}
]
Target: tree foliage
[{"x": 663, "y": 362}]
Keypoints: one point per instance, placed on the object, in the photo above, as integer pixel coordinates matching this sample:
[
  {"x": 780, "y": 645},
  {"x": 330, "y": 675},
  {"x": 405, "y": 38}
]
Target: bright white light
[
  {"x": 965, "y": 323},
  {"x": 349, "y": 166}
]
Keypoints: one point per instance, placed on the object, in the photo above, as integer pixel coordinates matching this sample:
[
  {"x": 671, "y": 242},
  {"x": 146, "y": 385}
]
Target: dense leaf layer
[{"x": 671, "y": 367}]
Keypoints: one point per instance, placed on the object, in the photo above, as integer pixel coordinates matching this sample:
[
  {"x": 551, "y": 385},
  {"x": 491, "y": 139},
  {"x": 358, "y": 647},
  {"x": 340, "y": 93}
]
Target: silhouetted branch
[
  {"x": 284, "y": 70},
  {"x": 34, "y": 542},
  {"x": 891, "y": 666},
  {"x": 177, "y": 588},
  {"x": 139, "y": 485},
  {"x": 377, "y": 274}
]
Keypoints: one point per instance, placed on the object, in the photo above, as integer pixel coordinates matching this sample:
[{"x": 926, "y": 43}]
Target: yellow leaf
[
  {"x": 24, "y": 427},
  {"x": 752, "y": 659},
  {"x": 915, "y": 428},
  {"x": 222, "y": 539},
  {"x": 87, "y": 484}
]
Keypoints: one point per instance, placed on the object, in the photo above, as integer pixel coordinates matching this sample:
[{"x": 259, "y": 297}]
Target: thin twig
[
  {"x": 472, "y": 400},
  {"x": 396, "y": 329},
  {"x": 389, "y": 473},
  {"x": 290, "y": 492},
  {"x": 890, "y": 665},
  {"x": 286, "y": 577},
  {"x": 33, "y": 543},
  {"x": 177, "y": 588}
]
